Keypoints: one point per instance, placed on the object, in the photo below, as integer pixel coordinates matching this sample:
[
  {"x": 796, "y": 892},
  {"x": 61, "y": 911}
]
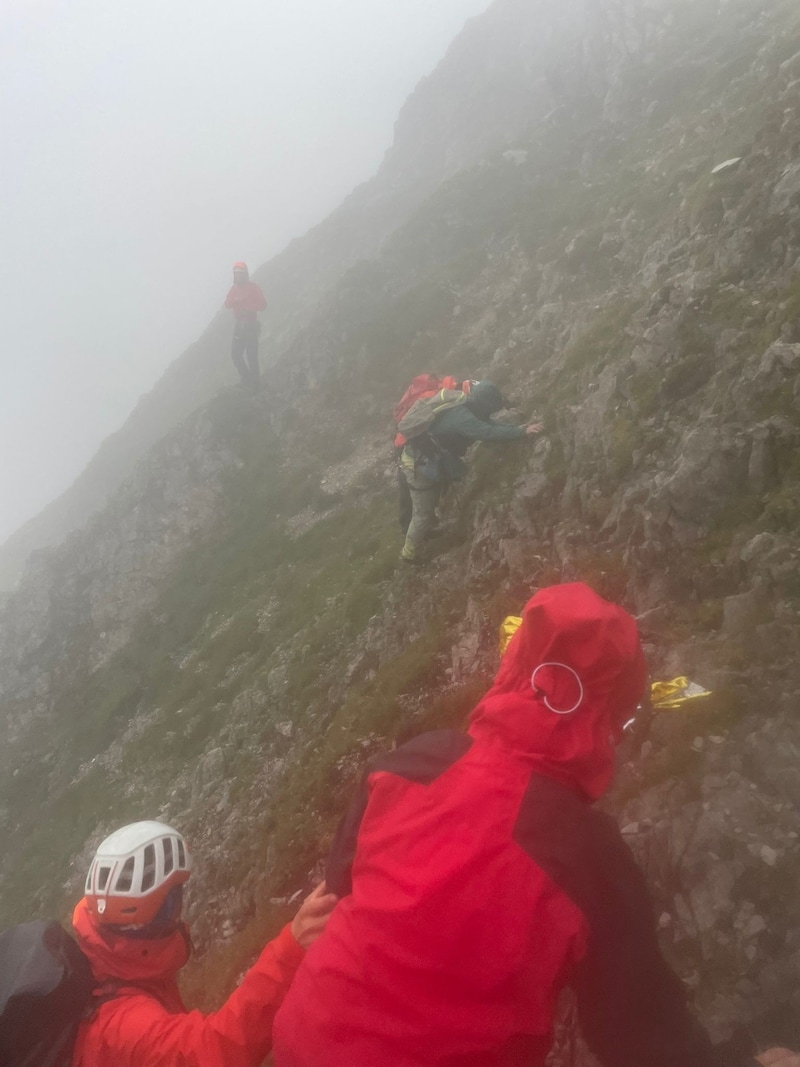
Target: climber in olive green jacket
[{"x": 436, "y": 458}]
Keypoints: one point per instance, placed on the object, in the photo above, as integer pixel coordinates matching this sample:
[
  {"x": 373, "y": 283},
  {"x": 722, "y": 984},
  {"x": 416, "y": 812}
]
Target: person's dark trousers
[
  {"x": 404, "y": 506},
  {"x": 245, "y": 344},
  {"x": 403, "y": 497}
]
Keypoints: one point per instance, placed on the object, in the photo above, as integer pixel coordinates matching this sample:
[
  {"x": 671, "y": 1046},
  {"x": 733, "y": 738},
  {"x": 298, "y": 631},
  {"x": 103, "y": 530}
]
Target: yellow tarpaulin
[
  {"x": 669, "y": 696},
  {"x": 508, "y": 627}
]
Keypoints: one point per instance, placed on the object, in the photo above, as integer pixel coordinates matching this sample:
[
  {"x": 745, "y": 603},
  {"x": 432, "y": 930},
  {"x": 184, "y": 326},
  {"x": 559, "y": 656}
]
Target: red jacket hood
[
  {"x": 571, "y": 677},
  {"x": 152, "y": 964}
]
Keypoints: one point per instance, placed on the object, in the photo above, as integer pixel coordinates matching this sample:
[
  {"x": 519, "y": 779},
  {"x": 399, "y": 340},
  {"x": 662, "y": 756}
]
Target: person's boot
[{"x": 408, "y": 555}]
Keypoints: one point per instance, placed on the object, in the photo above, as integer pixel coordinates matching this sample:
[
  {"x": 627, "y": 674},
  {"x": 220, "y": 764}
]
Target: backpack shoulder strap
[
  {"x": 448, "y": 398},
  {"x": 424, "y": 411}
]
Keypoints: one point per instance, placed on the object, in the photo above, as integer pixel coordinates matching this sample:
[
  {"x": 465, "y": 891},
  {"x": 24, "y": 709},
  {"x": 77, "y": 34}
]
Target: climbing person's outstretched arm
[
  {"x": 462, "y": 422},
  {"x": 479, "y": 430},
  {"x": 135, "y": 1030}
]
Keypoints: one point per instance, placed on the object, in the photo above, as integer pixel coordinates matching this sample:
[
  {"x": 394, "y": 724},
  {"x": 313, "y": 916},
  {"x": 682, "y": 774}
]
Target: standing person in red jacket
[
  {"x": 245, "y": 300},
  {"x": 129, "y": 926},
  {"x": 480, "y": 880}
]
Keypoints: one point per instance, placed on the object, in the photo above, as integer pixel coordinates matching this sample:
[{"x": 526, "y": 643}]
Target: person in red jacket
[
  {"x": 478, "y": 880},
  {"x": 245, "y": 299},
  {"x": 129, "y": 927}
]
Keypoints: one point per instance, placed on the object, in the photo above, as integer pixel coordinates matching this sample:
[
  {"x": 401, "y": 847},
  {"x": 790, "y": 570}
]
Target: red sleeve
[
  {"x": 136, "y": 1031},
  {"x": 230, "y": 299},
  {"x": 257, "y": 301}
]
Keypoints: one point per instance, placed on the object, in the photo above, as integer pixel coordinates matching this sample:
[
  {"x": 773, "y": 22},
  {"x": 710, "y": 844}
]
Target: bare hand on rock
[{"x": 534, "y": 427}]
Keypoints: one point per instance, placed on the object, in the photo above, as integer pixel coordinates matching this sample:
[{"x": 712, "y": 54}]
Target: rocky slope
[
  {"x": 228, "y": 640},
  {"x": 487, "y": 91},
  {"x": 508, "y": 70}
]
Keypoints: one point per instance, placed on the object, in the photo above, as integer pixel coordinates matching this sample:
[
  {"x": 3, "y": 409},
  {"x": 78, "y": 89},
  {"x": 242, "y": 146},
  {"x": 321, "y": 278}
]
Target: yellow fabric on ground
[
  {"x": 508, "y": 627},
  {"x": 678, "y": 693}
]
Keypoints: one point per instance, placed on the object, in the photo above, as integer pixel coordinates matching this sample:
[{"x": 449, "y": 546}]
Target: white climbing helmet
[{"x": 133, "y": 872}]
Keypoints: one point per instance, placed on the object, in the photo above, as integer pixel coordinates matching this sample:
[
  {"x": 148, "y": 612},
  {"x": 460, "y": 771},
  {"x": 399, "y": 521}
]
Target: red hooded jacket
[
  {"x": 481, "y": 881},
  {"x": 245, "y": 300},
  {"x": 147, "y": 1025}
]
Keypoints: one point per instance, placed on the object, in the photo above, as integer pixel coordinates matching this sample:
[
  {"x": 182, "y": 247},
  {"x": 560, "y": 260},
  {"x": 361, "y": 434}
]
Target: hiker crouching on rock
[
  {"x": 478, "y": 880},
  {"x": 129, "y": 926},
  {"x": 440, "y": 429}
]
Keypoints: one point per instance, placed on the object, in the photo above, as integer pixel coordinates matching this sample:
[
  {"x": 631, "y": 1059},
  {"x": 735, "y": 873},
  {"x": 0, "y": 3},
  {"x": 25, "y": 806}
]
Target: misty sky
[{"x": 146, "y": 145}]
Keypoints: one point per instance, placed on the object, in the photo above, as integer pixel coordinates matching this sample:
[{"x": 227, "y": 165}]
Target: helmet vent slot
[
  {"x": 169, "y": 855},
  {"x": 149, "y": 873},
  {"x": 125, "y": 876},
  {"x": 102, "y": 878}
]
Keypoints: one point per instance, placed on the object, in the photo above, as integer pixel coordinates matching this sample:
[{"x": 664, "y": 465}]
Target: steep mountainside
[
  {"x": 491, "y": 87},
  {"x": 228, "y": 640}
]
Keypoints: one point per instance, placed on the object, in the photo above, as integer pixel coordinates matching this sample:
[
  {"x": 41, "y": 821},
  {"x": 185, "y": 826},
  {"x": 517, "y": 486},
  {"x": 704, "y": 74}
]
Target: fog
[{"x": 147, "y": 145}]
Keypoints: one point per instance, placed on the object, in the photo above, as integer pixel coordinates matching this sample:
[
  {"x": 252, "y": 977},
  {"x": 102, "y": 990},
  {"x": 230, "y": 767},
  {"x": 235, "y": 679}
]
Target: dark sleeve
[
  {"x": 422, "y": 760},
  {"x": 339, "y": 868},
  {"x": 462, "y": 421},
  {"x": 632, "y": 1008}
]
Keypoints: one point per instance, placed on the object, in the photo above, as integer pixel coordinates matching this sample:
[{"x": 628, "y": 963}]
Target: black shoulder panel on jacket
[
  {"x": 571, "y": 841},
  {"x": 425, "y": 757},
  {"x": 631, "y": 1006},
  {"x": 422, "y": 760}
]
